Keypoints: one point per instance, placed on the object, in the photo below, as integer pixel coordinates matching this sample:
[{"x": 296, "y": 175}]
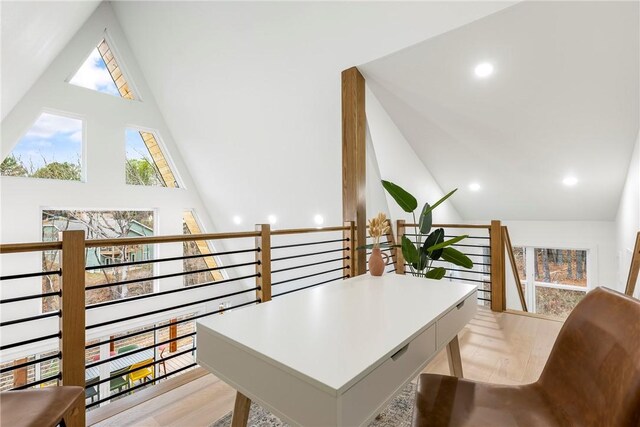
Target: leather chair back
[{"x": 593, "y": 371}]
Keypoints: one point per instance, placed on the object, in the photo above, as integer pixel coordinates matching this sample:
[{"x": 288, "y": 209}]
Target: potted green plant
[{"x": 430, "y": 245}]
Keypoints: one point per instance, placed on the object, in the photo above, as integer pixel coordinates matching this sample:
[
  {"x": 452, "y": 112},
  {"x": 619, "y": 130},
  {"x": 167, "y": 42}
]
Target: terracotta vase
[{"x": 377, "y": 263}]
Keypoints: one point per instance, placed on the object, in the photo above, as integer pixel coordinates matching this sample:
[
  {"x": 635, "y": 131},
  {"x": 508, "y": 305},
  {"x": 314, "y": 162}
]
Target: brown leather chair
[
  {"x": 45, "y": 407},
  {"x": 592, "y": 377}
]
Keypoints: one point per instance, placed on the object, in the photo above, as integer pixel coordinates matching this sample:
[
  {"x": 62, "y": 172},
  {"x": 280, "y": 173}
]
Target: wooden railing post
[
  {"x": 400, "y": 230},
  {"x": 263, "y": 268},
  {"x": 349, "y": 247},
  {"x": 634, "y": 269},
  {"x": 72, "y": 321},
  {"x": 498, "y": 297}
]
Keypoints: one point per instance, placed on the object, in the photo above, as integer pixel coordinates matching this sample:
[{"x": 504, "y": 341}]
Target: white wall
[
  {"x": 398, "y": 163},
  {"x": 105, "y": 118},
  {"x": 628, "y": 218},
  {"x": 594, "y": 236}
]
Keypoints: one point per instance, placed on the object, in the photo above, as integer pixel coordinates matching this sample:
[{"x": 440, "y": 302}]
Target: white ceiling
[
  {"x": 32, "y": 34},
  {"x": 563, "y": 100}
]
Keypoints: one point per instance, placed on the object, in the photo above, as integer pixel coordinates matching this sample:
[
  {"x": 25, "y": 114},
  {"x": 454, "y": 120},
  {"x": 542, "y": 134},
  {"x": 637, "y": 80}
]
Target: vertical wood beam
[
  {"x": 498, "y": 300},
  {"x": 506, "y": 239},
  {"x": 263, "y": 257},
  {"x": 400, "y": 230},
  {"x": 391, "y": 240},
  {"x": 72, "y": 321},
  {"x": 354, "y": 160},
  {"x": 634, "y": 269},
  {"x": 173, "y": 333},
  {"x": 350, "y": 248}
]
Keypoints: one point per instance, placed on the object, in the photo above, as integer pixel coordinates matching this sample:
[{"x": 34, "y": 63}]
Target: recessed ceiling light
[
  {"x": 272, "y": 219},
  {"x": 318, "y": 219},
  {"x": 570, "y": 181},
  {"x": 474, "y": 186},
  {"x": 484, "y": 69},
  {"x": 237, "y": 220}
]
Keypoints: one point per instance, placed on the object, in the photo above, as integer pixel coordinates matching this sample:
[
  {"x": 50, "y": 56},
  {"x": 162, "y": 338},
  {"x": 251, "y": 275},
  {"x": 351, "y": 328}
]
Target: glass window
[
  {"x": 100, "y": 72},
  {"x": 101, "y": 225},
  {"x": 561, "y": 266},
  {"x": 521, "y": 262},
  {"x": 145, "y": 161},
  {"x": 556, "y": 302},
  {"x": 194, "y": 249},
  {"x": 51, "y": 149}
]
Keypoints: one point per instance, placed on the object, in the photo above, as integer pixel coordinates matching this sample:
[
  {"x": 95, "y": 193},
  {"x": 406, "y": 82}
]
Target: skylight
[
  {"x": 145, "y": 162},
  {"x": 100, "y": 72},
  {"x": 51, "y": 149}
]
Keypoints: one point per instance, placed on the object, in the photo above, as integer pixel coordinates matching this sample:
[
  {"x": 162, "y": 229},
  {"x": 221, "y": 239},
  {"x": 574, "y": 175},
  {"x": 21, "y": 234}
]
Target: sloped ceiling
[
  {"x": 251, "y": 91},
  {"x": 563, "y": 101},
  {"x": 32, "y": 34}
]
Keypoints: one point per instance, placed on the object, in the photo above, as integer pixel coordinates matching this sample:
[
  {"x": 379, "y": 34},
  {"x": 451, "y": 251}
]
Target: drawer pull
[
  {"x": 459, "y": 306},
  {"x": 397, "y": 354}
]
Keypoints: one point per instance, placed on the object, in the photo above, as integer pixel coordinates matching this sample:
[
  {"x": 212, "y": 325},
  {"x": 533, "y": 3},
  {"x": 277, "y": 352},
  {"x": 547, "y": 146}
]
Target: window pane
[
  {"x": 562, "y": 266},
  {"x": 145, "y": 162},
  {"x": 521, "y": 262},
  {"x": 556, "y": 302},
  {"x": 51, "y": 149},
  {"x": 194, "y": 248},
  {"x": 101, "y": 225}
]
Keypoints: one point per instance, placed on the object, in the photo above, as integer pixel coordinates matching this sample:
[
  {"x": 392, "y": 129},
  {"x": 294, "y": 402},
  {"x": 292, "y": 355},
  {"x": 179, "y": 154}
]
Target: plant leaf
[
  {"x": 436, "y": 273},
  {"x": 437, "y": 236},
  {"x": 426, "y": 219},
  {"x": 436, "y": 204},
  {"x": 456, "y": 257},
  {"x": 406, "y": 201},
  {"x": 409, "y": 251},
  {"x": 447, "y": 243}
]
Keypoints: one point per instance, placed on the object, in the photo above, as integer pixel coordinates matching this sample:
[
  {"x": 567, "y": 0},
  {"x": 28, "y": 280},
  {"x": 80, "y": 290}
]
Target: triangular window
[
  {"x": 146, "y": 164},
  {"x": 195, "y": 250},
  {"x": 100, "y": 71},
  {"x": 51, "y": 149}
]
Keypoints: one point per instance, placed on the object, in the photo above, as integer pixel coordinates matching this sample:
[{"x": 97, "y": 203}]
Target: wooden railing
[
  {"x": 634, "y": 268},
  {"x": 274, "y": 263}
]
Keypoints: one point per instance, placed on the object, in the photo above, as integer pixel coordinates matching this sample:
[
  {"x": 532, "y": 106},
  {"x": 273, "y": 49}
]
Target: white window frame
[{"x": 530, "y": 283}]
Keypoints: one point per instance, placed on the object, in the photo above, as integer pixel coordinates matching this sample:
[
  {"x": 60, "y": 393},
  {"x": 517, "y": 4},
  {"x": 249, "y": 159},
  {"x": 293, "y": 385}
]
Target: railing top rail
[
  {"x": 12, "y": 248},
  {"x": 126, "y": 241},
  {"x": 307, "y": 230},
  {"x": 485, "y": 226}
]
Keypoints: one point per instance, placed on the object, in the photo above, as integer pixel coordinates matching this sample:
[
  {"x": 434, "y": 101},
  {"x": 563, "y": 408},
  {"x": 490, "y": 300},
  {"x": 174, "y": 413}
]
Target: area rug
[{"x": 397, "y": 414}]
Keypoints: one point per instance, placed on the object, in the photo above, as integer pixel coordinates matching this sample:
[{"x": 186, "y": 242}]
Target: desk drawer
[
  {"x": 373, "y": 391},
  {"x": 455, "y": 319}
]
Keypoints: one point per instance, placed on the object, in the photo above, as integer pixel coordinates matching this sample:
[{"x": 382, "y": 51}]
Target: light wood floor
[{"x": 499, "y": 348}]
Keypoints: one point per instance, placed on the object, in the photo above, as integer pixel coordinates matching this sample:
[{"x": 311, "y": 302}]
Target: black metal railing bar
[
  {"x": 297, "y": 245},
  {"x": 31, "y": 341},
  {"x": 32, "y": 318},
  {"x": 310, "y": 286},
  {"x": 309, "y": 254},
  {"x": 170, "y": 291},
  {"x": 308, "y": 265},
  {"x": 175, "y": 258},
  {"x": 167, "y": 276},
  {"x": 27, "y": 275},
  {"x": 309, "y": 275},
  {"x": 175, "y": 307},
  {"x": 32, "y": 362}
]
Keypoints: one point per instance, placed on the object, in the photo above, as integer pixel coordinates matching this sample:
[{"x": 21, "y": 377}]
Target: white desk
[{"x": 336, "y": 354}]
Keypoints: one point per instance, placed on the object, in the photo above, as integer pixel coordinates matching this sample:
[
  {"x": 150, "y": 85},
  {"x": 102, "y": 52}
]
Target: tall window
[
  {"x": 195, "y": 251},
  {"x": 146, "y": 164},
  {"x": 102, "y": 262},
  {"x": 554, "y": 280},
  {"x": 51, "y": 149}
]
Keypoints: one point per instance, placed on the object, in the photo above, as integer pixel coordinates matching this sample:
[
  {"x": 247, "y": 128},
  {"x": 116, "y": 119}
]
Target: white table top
[{"x": 366, "y": 318}]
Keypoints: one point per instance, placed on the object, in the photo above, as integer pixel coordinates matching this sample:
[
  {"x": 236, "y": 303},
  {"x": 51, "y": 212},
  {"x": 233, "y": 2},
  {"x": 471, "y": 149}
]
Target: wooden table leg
[
  {"x": 240, "y": 410},
  {"x": 453, "y": 356}
]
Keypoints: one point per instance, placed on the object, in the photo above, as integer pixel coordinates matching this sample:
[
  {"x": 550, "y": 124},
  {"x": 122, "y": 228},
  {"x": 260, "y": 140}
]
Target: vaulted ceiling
[{"x": 562, "y": 101}]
